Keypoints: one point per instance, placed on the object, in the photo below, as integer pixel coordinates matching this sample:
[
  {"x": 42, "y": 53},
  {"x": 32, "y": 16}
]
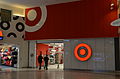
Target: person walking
[
  {"x": 40, "y": 60},
  {"x": 46, "y": 62}
]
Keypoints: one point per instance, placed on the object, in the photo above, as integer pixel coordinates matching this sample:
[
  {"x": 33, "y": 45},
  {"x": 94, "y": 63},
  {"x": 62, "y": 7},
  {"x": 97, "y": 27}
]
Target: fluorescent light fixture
[{"x": 19, "y": 15}]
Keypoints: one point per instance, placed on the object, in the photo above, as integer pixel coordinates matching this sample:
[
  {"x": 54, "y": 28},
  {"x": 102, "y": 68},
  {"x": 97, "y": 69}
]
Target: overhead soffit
[{"x": 32, "y": 3}]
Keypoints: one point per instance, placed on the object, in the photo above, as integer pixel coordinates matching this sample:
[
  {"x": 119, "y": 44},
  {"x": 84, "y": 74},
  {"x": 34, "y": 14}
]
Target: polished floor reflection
[{"x": 57, "y": 74}]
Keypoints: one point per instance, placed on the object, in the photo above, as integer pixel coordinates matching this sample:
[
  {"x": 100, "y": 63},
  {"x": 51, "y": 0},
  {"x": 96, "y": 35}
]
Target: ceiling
[{"x": 32, "y": 3}]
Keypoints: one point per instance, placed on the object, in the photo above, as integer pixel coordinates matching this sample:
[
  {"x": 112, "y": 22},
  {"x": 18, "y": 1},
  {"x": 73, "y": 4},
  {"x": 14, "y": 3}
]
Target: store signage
[
  {"x": 35, "y": 18},
  {"x": 83, "y": 52},
  {"x": 116, "y": 22},
  {"x": 5, "y": 15},
  {"x": 1, "y": 35},
  {"x": 53, "y": 21}
]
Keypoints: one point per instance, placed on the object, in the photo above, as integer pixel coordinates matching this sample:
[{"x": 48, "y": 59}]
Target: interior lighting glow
[{"x": 19, "y": 15}]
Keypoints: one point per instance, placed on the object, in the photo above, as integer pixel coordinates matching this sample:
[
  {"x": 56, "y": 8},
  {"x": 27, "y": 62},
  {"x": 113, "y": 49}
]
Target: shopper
[
  {"x": 40, "y": 60},
  {"x": 46, "y": 62}
]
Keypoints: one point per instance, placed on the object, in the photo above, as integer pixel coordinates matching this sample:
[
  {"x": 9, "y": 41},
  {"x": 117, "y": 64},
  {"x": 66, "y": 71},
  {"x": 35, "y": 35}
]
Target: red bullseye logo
[
  {"x": 35, "y": 18},
  {"x": 83, "y": 52}
]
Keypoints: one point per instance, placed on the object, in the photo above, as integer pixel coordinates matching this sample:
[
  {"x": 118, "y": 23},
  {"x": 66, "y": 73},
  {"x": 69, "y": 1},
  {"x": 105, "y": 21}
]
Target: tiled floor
[
  {"x": 55, "y": 66},
  {"x": 56, "y": 74}
]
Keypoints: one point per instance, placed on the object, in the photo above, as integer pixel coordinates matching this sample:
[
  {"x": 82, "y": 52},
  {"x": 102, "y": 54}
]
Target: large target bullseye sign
[
  {"x": 83, "y": 52},
  {"x": 35, "y": 18}
]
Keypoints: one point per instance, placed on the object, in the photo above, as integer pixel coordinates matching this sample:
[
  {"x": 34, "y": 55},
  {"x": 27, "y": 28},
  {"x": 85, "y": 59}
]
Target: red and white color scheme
[
  {"x": 82, "y": 52},
  {"x": 35, "y": 18},
  {"x": 74, "y": 20},
  {"x": 43, "y": 48}
]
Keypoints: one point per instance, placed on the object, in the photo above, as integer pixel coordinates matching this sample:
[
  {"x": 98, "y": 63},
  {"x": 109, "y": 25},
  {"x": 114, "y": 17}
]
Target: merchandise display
[
  {"x": 8, "y": 55},
  {"x": 56, "y": 53}
]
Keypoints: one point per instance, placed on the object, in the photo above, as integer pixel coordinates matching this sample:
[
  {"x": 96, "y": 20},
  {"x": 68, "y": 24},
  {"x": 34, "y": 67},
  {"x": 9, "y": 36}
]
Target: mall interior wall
[
  {"x": 82, "y": 20},
  {"x": 13, "y": 35},
  {"x": 103, "y": 54}
]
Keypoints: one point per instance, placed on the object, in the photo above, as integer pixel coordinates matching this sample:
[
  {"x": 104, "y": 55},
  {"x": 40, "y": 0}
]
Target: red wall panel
[
  {"x": 43, "y": 48},
  {"x": 80, "y": 19}
]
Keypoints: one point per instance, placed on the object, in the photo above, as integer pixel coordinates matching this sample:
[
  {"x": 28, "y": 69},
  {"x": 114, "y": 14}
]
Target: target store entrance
[
  {"x": 83, "y": 54},
  {"x": 55, "y": 53}
]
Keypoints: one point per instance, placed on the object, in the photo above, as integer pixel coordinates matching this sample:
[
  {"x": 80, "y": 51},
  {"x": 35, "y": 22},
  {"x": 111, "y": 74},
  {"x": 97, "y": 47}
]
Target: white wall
[
  {"x": 19, "y": 41},
  {"x": 103, "y": 57},
  {"x": 32, "y": 51}
]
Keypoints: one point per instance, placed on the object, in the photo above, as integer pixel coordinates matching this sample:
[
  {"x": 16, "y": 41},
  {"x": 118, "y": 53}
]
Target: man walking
[
  {"x": 40, "y": 60},
  {"x": 46, "y": 62}
]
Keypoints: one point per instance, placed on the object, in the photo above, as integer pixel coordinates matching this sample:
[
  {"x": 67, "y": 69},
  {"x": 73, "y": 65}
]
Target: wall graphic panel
[
  {"x": 103, "y": 54},
  {"x": 73, "y": 20}
]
